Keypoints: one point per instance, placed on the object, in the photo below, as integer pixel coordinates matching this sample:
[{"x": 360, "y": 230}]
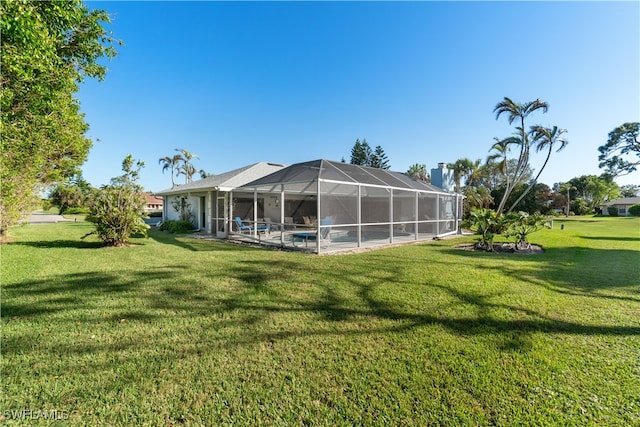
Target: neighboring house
[
  {"x": 622, "y": 205},
  {"x": 153, "y": 203},
  {"x": 208, "y": 199}
]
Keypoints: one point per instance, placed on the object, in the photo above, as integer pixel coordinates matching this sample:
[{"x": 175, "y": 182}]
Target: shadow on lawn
[
  {"x": 194, "y": 244},
  {"x": 53, "y": 244},
  {"x": 575, "y": 271},
  {"x": 238, "y": 305},
  {"x": 614, "y": 238}
]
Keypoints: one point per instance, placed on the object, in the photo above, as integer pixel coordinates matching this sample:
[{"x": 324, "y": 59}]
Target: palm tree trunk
[{"x": 533, "y": 183}]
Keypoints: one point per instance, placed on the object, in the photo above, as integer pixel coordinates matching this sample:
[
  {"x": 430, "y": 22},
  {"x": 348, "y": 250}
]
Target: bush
[
  {"x": 482, "y": 222},
  {"x": 635, "y": 210},
  {"x": 522, "y": 224},
  {"x": 612, "y": 210},
  {"x": 76, "y": 211},
  {"x": 177, "y": 227},
  {"x": 117, "y": 209}
]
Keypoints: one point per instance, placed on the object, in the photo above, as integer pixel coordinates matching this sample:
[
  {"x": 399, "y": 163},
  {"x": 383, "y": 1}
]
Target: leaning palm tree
[
  {"x": 518, "y": 112},
  {"x": 500, "y": 159},
  {"x": 543, "y": 138},
  {"x": 171, "y": 163}
]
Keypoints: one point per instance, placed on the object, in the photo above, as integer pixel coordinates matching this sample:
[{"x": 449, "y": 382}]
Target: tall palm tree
[
  {"x": 543, "y": 138},
  {"x": 186, "y": 168},
  {"x": 171, "y": 163},
  {"x": 518, "y": 112},
  {"x": 500, "y": 158}
]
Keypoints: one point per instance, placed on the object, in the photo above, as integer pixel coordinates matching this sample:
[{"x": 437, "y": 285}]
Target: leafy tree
[
  {"x": 599, "y": 189},
  {"x": 580, "y": 206},
  {"x": 419, "y": 172},
  {"x": 379, "y": 159},
  {"x": 476, "y": 197},
  {"x": 621, "y": 154},
  {"x": 592, "y": 189},
  {"x": 630, "y": 190},
  {"x": 117, "y": 209},
  {"x": 47, "y": 49},
  {"x": 517, "y": 112}
]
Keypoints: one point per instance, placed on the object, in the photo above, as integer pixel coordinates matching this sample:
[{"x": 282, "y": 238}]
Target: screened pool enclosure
[{"x": 323, "y": 206}]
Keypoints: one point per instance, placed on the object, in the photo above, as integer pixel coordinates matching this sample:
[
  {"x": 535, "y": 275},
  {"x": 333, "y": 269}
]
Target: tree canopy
[
  {"x": 362, "y": 155},
  {"x": 47, "y": 49},
  {"x": 621, "y": 154}
]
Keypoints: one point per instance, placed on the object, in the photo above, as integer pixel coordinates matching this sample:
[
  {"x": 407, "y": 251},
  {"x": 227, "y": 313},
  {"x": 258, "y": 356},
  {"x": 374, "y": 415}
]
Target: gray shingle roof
[
  {"x": 226, "y": 181},
  {"x": 625, "y": 201},
  {"x": 341, "y": 172}
]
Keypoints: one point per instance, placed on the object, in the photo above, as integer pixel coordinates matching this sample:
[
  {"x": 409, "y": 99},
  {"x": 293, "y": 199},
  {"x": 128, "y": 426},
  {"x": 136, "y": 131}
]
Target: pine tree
[{"x": 379, "y": 159}]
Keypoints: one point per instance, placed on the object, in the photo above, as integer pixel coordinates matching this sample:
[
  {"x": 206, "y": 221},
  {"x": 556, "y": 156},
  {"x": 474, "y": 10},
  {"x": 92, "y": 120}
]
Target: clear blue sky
[{"x": 238, "y": 83}]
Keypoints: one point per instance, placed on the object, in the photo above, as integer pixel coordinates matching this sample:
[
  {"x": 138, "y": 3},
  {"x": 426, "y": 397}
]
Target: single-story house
[
  {"x": 622, "y": 205},
  {"x": 327, "y": 206},
  {"x": 318, "y": 206},
  {"x": 207, "y": 200}
]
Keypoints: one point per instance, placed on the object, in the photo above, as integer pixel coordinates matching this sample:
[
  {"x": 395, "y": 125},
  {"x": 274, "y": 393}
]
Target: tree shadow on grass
[
  {"x": 614, "y": 238},
  {"x": 574, "y": 271},
  {"x": 195, "y": 244},
  {"x": 254, "y": 292},
  {"x": 56, "y": 244}
]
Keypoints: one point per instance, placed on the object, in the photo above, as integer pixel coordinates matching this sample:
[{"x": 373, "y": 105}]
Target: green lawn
[{"x": 176, "y": 331}]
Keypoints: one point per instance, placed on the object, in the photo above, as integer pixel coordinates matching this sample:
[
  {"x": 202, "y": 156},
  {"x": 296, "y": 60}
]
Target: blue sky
[{"x": 242, "y": 82}]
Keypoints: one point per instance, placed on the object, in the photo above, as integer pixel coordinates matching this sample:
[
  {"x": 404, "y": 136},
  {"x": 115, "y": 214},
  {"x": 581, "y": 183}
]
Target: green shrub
[
  {"x": 612, "y": 210},
  {"x": 483, "y": 221},
  {"x": 76, "y": 211},
  {"x": 117, "y": 209},
  {"x": 635, "y": 210},
  {"x": 177, "y": 227},
  {"x": 522, "y": 224}
]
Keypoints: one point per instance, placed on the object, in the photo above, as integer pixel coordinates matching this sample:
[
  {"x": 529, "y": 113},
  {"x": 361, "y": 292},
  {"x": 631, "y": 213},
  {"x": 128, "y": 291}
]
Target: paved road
[{"x": 42, "y": 218}]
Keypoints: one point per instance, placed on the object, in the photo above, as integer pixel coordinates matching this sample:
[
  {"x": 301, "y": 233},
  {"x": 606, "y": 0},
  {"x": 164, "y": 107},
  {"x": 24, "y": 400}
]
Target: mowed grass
[{"x": 178, "y": 331}]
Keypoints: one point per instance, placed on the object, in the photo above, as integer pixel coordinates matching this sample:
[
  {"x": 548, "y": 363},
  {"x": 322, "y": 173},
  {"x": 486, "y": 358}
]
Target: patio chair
[
  {"x": 242, "y": 228},
  {"x": 306, "y": 236}
]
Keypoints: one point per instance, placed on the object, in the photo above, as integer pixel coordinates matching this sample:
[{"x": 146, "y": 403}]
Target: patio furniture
[
  {"x": 242, "y": 228},
  {"x": 306, "y": 236}
]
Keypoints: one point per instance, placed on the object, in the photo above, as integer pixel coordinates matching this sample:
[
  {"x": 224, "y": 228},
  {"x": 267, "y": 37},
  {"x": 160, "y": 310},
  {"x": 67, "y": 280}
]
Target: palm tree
[
  {"x": 476, "y": 174},
  {"x": 543, "y": 138},
  {"x": 171, "y": 163},
  {"x": 518, "y": 112},
  {"x": 461, "y": 168},
  {"x": 419, "y": 172},
  {"x": 187, "y": 169}
]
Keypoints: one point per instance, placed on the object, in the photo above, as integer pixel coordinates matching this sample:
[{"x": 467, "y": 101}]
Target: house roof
[
  {"x": 152, "y": 199},
  {"x": 226, "y": 181},
  {"x": 625, "y": 201},
  {"x": 328, "y": 170}
]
